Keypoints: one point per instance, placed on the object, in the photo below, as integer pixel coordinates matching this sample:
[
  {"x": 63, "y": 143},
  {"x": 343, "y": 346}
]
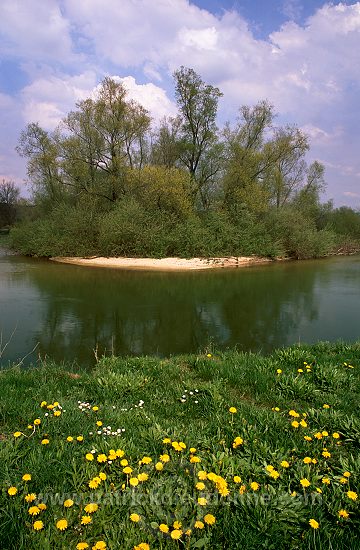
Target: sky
[{"x": 301, "y": 55}]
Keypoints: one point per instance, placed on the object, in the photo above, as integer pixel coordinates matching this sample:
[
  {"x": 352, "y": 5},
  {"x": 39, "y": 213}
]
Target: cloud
[
  {"x": 292, "y": 9},
  {"x": 34, "y": 30},
  {"x": 351, "y": 194},
  {"x": 49, "y": 98}
]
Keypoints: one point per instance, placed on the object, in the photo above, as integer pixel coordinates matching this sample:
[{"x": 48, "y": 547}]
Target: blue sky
[{"x": 302, "y": 55}]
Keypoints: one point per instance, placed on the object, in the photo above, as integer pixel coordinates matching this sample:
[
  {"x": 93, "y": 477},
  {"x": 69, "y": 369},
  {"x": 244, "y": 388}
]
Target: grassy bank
[{"x": 279, "y": 470}]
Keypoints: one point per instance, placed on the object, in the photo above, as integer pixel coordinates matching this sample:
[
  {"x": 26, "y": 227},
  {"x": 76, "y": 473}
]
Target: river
[{"x": 65, "y": 312}]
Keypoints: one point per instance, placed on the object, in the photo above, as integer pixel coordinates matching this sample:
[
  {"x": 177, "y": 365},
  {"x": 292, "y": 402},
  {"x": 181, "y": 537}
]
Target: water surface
[{"x": 69, "y": 311}]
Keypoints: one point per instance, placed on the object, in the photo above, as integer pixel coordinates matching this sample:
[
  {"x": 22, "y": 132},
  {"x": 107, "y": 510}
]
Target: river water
[{"x": 65, "y": 312}]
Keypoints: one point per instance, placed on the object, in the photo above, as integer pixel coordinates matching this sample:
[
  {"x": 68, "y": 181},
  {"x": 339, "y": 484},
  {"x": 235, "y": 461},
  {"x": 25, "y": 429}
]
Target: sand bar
[{"x": 165, "y": 264}]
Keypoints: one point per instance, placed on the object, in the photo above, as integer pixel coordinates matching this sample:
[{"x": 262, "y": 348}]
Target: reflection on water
[{"x": 69, "y": 311}]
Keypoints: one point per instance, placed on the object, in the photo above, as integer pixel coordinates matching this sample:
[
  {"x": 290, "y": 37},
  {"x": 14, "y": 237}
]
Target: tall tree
[
  {"x": 197, "y": 103},
  {"x": 9, "y": 197}
]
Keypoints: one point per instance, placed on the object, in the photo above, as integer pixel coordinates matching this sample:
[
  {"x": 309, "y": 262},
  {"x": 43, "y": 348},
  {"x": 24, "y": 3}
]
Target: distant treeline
[{"x": 108, "y": 182}]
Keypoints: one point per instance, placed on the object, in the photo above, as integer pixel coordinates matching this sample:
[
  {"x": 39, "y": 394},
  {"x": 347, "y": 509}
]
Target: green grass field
[{"x": 145, "y": 453}]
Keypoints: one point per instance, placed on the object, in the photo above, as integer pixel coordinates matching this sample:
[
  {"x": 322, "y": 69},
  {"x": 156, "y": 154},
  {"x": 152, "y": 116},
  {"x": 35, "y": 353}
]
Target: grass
[{"x": 253, "y": 456}]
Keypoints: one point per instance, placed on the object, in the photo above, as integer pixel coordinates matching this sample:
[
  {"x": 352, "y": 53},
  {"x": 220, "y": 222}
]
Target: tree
[
  {"x": 9, "y": 197},
  {"x": 92, "y": 149},
  {"x": 248, "y": 160},
  {"x": 198, "y": 103}
]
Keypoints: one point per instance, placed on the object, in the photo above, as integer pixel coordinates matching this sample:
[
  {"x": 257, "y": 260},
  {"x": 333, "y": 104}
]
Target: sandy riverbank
[{"x": 165, "y": 264}]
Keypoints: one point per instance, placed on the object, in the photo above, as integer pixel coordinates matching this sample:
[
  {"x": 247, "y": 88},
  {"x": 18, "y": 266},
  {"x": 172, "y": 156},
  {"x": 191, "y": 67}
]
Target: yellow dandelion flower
[
  {"x": 62, "y": 524},
  {"x": 163, "y": 528},
  {"x": 237, "y": 479},
  {"x": 326, "y": 454},
  {"x": 89, "y": 457},
  {"x": 326, "y": 406},
  {"x": 124, "y": 462},
  {"x": 146, "y": 460},
  {"x": 303, "y": 424},
  {"x": 37, "y": 422},
  {"x": 200, "y": 486},
  {"x": 192, "y": 450},
  {"x": 307, "y": 438},
  {"x": 164, "y": 458},
  {"x": 177, "y": 525},
  {"x": 343, "y": 514},
  {"x": 233, "y": 410},
  {"x": 99, "y": 545},
  {"x": 135, "y": 518},
  {"x": 95, "y": 408},
  {"x": 254, "y": 486},
  {"x": 12, "y": 491},
  {"x": 134, "y": 481},
  {"x": 284, "y": 464},
  {"x": 34, "y": 510},
  {"x": 295, "y": 424},
  {"x": 26, "y": 477},
  {"x": 242, "y": 489},
  {"x": 68, "y": 503},
  {"x": 70, "y": 438},
  {"x": 57, "y": 413},
  {"x": 314, "y": 524},
  {"x": 127, "y": 470},
  {"x": 199, "y": 524},
  {"x": 94, "y": 483},
  {"x": 143, "y": 477},
  {"x": 195, "y": 459},
  {"x": 102, "y": 476},
  {"x": 176, "y": 534},
  {"x": 30, "y": 497},
  {"x": 307, "y": 460},
  {"x": 318, "y": 435},
  {"x": 336, "y": 435},
  {"x": 202, "y": 475},
  {"x": 142, "y": 546},
  {"x": 119, "y": 453},
  {"x": 43, "y": 404},
  {"x": 294, "y": 413},
  {"x": 82, "y": 546},
  {"x": 80, "y": 438},
  {"x": 38, "y": 525},
  {"x": 314, "y": 461},
  {"x": 202, "y": 501},
  {"x": 346, "y": 474},
  {"x": 101, "y": 458},
  {"x": 352, "y": 495},
  {"x": 45, "y": 441},
  {"x": 17, "y": 434},
  {"x": 42, "y": 506},
  {"x": 209, "y": 519},
  {"x": 159, "y": 466},
  {"x": 99, "y": 423},
  {"x": 304, "y": 482},
  {"x": 274, "y": 474},
  {"x": 278, "y": 371},
  {"x": 324, "y": 433},
  {"x": 166, "y": 441},
  {"x": 91, "y": 508},
  {"x": 85, "y": 520},
  {"x": 326, "y": 481}
]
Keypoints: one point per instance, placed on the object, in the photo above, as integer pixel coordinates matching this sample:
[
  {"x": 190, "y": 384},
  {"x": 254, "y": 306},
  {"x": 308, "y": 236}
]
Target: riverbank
[
  {"x": 213, "y": 451},
  {"x": 165, "y": 264}
]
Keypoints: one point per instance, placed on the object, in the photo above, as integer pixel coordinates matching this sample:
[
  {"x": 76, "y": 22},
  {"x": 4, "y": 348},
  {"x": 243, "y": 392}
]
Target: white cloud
[
  {"x": 49, "y": 98},
  {"x": 34, "y": 29},
  {"x": 152, "y": 97}
]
